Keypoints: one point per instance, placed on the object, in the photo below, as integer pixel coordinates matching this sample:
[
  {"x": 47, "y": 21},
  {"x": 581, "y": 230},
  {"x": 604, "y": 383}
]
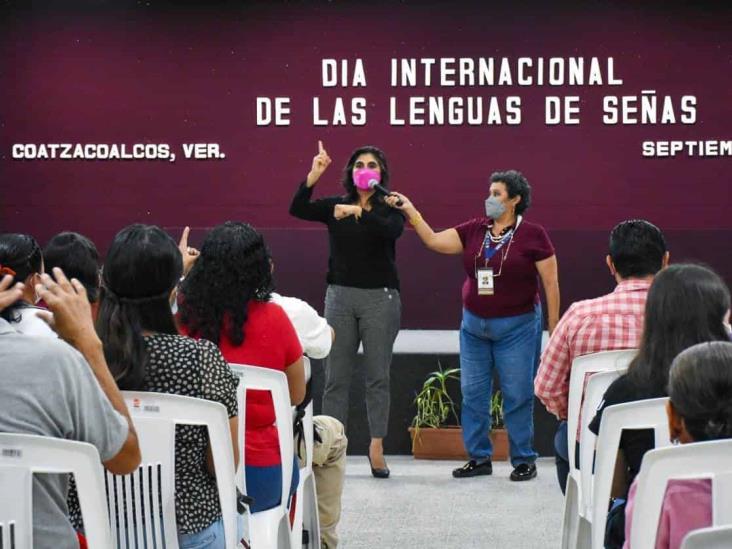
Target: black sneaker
[
  {"x": 523, "y": 471},
  {"x": 473, "y": 469}
]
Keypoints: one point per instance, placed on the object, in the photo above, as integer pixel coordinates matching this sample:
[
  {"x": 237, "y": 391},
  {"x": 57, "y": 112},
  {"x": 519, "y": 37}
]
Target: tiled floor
[{"x": 422, "y": 506}]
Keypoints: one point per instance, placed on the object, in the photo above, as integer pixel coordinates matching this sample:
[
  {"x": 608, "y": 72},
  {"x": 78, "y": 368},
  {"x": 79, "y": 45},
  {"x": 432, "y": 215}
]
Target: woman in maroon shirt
[{"x": 501, "y": 327}]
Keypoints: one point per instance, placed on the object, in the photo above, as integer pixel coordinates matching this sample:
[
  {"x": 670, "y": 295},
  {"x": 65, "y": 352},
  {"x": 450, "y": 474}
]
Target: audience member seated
[
  {"x": 687, "y": 304},
  {"x": 225, "y": 300},
  {"x": 607, "y": 323},
  {"x": 21, "y": 258},
  {"x": 146, "y": 353},
  {"x": 329, "y": 452},
  {"x": 50, "y": 389},
  {"x": 78, "y": 258},
  {"x": 699, "y": 409}
]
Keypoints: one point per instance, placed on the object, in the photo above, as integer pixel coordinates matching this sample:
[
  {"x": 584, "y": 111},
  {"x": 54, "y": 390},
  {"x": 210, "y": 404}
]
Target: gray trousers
[{"x": 363, "y": 316}]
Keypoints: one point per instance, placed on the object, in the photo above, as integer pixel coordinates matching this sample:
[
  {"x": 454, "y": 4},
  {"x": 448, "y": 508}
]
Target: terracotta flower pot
[
  {"x": 447, "y": 443},
  {"x": 499, "y": 438},
  {"x": 444, "y": 443}
]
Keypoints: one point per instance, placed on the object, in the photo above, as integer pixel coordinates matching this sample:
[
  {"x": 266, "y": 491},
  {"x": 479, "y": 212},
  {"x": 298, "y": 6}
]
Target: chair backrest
[
  {"x": 274, "y": 381},
  {"x": 23, "y": 455},
  {"x": 714, "y": 537},
  {"x": 594, "y": 392},
  {"x": 698, "y": 460},
  {"x": 142, "y": 504},
  {"x": 305, "y": 518},
  {"x": 308, "y": 421},
  {"x": 641, "y": 414},
  {"x": 582, "y": 366}
]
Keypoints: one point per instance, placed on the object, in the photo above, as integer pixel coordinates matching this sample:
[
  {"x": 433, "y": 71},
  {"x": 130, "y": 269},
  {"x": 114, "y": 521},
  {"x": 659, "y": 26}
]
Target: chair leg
[
  {"x": 584, "y": 534},
  {"x": 310, "y": 514},
  {"x": 570, "y": 521}
]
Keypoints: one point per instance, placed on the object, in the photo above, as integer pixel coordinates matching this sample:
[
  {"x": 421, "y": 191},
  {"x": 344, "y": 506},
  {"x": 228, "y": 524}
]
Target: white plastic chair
[
  {"x": 689, "y": 461},
  {"x": 594, "y": 393},
  {"x": 714, "y": 537},
  {"x": 641, "y": 414},
  {"x": 23, "y": 455},
  {"x": 142, "y": 504},
  {"x": 574, "y": 530},
  {"x": 268, "y": 529},
  {"x": 306, "y": 517}
]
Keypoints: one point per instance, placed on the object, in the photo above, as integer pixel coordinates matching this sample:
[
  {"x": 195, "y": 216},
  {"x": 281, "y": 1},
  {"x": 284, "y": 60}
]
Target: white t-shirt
[
  {"x": 29, "y": 323},
  {"x": 312, "y": 329}
]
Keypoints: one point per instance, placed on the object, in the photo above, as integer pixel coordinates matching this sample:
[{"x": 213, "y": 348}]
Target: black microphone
[{"x": 373, "y": 184}]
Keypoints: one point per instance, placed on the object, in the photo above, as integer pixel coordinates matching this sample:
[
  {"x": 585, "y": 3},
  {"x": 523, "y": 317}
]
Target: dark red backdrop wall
[{"x": 190, "y": 72}]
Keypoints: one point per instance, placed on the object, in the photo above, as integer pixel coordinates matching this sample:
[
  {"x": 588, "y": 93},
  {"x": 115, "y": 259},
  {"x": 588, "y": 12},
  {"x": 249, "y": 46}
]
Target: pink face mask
[{"x": 363, "y": 178}]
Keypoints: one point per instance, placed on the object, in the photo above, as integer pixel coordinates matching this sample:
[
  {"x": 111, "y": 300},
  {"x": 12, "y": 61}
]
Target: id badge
[{"x": 485, "y": 281}]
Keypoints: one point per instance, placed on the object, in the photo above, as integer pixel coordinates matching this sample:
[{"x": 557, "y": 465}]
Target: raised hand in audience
[
  {"x": 189, "y": 253},
  {"x": 71, "y": 318},
  {"x": 8, "y": 294}
]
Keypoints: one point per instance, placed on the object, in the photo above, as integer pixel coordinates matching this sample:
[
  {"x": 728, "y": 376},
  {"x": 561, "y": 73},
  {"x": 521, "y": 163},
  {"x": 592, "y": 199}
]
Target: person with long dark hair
[
  {"x": 145, "y": 352},
  {"x": 504, "y": 257},
  {"x": 699, "y": 409},
  {"x": 22, "y": 258},
  {"x": 686, "y": 304},
  {"x": 225, "y": 300},
  {"x": 362, "y": 302}
]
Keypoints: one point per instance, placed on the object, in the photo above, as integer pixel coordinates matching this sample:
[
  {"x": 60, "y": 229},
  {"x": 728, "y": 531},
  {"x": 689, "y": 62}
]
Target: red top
[
  {"x": 270, "y": 341},
  {"x": 516, "y": 290}
]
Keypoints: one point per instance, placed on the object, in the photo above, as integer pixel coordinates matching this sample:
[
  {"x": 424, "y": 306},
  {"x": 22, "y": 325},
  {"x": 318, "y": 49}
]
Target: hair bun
[{"x": 720, "y": 426}]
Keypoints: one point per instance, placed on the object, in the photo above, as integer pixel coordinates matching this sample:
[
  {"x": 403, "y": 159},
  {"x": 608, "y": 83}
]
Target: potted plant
[
  {"x": 499, "y": 436},
  {"x": 436, "y": 431},
  {"x": 432, "y": 436}
]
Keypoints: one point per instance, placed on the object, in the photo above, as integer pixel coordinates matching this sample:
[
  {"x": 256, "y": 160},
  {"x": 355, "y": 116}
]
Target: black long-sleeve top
[{"x": 362, "y": 251}]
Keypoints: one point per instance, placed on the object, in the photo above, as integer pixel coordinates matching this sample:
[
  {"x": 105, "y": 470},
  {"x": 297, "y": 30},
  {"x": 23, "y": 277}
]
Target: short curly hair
[
  {"x": 234, "y": 267},
  {"x": 516, "y": 185}
]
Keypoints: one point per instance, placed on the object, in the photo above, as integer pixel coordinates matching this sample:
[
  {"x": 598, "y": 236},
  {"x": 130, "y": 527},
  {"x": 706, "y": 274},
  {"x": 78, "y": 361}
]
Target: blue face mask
[{"x": 494, "y": 208}]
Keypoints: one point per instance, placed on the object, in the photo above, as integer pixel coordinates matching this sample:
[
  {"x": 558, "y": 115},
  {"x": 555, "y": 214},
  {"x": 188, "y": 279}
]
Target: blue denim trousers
[
  {"x": 264, "y": 485},
  {"x": 511, "y": 345},
  {"x": 211, "y": 537}
]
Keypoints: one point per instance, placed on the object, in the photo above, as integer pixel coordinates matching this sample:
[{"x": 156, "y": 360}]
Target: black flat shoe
[
  {"x": 523, "y": 471},
  {"x": 473, "y": 469},
  {"x": 379, "y": 473}
]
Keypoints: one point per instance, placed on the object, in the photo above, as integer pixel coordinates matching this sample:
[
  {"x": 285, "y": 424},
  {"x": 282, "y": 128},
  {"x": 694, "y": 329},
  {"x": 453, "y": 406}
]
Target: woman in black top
[
  {"x": 687, "y": 304},
  {"x": 362, "y": 302}
]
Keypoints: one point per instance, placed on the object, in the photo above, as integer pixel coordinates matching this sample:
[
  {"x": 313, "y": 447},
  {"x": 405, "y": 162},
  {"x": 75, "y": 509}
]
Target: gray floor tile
[{"x": 422, "y": 506}]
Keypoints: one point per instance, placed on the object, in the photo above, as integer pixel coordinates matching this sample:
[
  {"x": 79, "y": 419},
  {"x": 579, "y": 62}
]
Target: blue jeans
[
  {"x": 561, "y": 453},
  {"x": 510, "y": 345},
  {"x": 264, "y": 484},
  {"x": 211, "y": 537}
]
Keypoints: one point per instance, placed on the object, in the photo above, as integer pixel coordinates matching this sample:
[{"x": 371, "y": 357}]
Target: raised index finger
[
  {"x": 183, "y": 244},
  {"x": 321, "y": 149}
]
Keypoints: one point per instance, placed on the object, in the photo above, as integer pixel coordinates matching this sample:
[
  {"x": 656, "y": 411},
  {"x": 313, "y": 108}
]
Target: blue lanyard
[{"x": 489, "y": 252}]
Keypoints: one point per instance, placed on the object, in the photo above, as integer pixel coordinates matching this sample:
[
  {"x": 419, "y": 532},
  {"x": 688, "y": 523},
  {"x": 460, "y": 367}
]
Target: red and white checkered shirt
[{"x": 608, "y": 323}]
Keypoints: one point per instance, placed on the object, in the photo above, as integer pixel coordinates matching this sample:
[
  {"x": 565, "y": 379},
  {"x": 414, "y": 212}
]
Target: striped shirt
[{"x": 608, "y": 323}]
